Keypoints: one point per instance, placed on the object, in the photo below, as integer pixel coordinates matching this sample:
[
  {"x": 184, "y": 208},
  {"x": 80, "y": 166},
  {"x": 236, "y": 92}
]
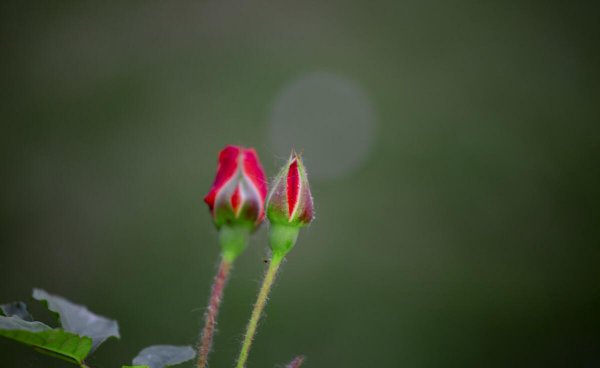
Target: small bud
[
  {"x": 237, "y": 196},
  {"x": 290, "y": 202},
  {"x": 290, "y": 205}
]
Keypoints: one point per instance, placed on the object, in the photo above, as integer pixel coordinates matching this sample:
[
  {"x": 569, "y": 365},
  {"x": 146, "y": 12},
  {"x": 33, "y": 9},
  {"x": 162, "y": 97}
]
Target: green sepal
[
  {"x": 282, "y": 238},
  {"x": 233, "y": 240}
]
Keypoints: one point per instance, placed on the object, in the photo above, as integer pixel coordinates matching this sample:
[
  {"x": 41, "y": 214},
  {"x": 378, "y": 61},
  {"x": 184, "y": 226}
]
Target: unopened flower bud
[
  {"x": 290, "y": 204},
  {"x": 237, "y": 196}
]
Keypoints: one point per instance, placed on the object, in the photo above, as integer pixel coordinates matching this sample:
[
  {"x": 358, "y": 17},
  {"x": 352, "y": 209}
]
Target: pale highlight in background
[{"x": 327, "y": 116}]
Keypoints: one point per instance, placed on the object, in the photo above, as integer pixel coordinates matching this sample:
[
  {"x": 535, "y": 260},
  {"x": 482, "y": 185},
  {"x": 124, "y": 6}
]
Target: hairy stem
[
  {"x": 210, "y": 318},
  {"x": 261, "y": 301},
  {"x": 296, "y": 363}
]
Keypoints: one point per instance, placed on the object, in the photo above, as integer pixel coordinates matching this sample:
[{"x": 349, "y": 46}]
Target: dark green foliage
[
  {"x": 81, "y": 333},
  {"x": 56, "y": 342},
  {"x": 78, "y": 319}
]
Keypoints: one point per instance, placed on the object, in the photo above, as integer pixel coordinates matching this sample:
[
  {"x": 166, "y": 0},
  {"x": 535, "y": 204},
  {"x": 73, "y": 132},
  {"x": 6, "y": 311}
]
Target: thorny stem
[
  {"x": 210, "y": 318},
  {"x": 261, "y": 301},
  {"x": 296, "y": 363}
]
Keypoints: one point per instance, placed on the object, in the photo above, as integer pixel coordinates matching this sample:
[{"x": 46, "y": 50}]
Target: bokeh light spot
[{"x": 328, "y": 117}]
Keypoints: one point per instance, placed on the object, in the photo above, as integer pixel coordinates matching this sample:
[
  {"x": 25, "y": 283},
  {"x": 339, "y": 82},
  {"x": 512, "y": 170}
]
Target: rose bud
[
  {"x": 237, "y": 205},
  {"x": 237, "y": 196},
  {"x": 290, "y": 204}
]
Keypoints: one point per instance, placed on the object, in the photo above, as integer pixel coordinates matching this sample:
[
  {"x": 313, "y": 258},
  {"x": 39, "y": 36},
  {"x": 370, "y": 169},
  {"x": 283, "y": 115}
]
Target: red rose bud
[
  {"x": 237, "y": 196},
  {"x": 290, "y": 202},
  {"x": 290, "y": 205}
]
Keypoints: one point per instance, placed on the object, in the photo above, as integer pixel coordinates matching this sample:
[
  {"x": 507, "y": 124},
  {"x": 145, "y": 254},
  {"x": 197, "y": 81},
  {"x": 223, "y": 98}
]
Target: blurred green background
[{"x": 454, "y": 149}]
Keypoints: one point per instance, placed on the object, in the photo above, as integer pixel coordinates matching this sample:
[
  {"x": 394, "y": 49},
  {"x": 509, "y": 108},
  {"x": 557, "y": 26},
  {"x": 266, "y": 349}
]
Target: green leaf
[
  {"x": 160, "y": 356},
  {"x": 18, "y": 309},
  {"x": 135, "y": 366},
  {"x": 78, "y": 319},
  {"x": 55, "y": 342}
]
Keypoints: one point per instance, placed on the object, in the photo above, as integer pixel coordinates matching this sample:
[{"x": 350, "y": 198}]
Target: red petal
[
  {"x": 228, "y": 163},
  {"x": 293, "y": 186},
  {"x": 255, "y": 172},
  {"x": 236, "y": 198}
]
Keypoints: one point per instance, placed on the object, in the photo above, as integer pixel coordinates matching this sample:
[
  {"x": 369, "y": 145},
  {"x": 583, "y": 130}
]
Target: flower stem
[
  {"x": 296, "y": 363},
  {"x": 210, "y": 318},
  {"x": 261, "y": 301}
]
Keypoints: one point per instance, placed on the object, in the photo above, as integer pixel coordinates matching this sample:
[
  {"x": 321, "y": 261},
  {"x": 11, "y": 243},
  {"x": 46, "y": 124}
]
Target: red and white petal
[
  {"x": 223, "y": 199},
  {"x": 252, "y": 207},
  {"x": 255, "y": 172},
  {"x": 256, "y": 179},
  {"x": 226, "y": 171}
]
